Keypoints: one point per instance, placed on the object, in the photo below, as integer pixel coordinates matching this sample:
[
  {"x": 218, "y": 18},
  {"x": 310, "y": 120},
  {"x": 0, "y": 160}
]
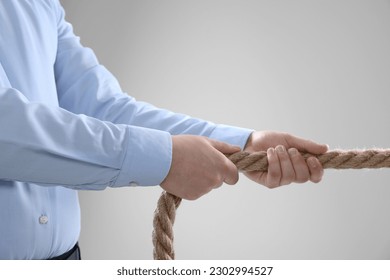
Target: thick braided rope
[
  {"x": 164, "y": 217},
  {"x": 165, "y": 213}
]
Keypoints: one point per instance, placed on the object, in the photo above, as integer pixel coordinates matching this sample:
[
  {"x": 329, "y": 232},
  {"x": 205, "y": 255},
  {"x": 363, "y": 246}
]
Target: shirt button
[
  {"x": 133, "y": 184},
  {"x": 43, "y": 219}
]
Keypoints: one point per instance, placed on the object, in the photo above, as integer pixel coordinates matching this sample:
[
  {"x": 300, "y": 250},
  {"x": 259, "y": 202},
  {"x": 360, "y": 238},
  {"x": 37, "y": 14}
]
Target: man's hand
[
  {"x": 285, "y": 164},
  {"x": 198, "y": 166}
]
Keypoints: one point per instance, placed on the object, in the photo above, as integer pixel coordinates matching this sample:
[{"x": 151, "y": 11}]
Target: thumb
[
  {"x": 305, "y": 145},
  {"x": 223, "y": 147},
  {"x": 229, "y": 169}
]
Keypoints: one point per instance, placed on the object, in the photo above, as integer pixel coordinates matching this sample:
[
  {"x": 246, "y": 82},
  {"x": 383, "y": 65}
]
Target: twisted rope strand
[
  {"x": 337, "y": 159},
  {"x": 164, "y": 216}
]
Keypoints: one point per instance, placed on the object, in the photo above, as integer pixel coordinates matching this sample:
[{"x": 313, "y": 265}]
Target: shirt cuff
[
  {"x": 148, "y": 158},
  {"x": 230, "y": 134}
]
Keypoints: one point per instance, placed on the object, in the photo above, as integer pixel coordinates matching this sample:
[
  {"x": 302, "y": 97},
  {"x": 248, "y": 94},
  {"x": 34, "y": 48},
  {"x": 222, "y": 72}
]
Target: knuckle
[
  {"x": 217, "y": 180},
  {"x": 272, "y": 184},
  {"x": 316, "y": 179},
  {"x": 289, "y": 177},
  {"x": 191, "y": 196},
  {"x": 274, "y": 173},
  {"x": 301, "y": 179}
]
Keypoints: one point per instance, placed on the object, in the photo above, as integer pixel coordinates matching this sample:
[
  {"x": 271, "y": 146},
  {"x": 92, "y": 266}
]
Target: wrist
[{"x": 249, "y": 143}]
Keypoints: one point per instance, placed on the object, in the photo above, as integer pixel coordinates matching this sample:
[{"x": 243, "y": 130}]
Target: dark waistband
[{"x": 72, "y": 254}]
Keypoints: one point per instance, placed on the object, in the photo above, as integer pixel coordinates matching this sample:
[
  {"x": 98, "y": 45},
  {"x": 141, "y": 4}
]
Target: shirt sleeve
[
  {"x": 84, "y": 86},
  {"x": 51, "y": 146}
]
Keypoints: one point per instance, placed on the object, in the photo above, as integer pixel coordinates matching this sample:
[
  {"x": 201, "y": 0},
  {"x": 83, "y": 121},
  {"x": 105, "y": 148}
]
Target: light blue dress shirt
[{"x": 66, "y": 125}]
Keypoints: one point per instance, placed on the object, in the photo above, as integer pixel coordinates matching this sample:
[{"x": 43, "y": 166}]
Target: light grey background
[{"x": 317, "y": 69}]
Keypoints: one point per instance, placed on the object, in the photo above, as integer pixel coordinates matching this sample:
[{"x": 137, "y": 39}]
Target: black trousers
[{"x": 72, "y": 254}]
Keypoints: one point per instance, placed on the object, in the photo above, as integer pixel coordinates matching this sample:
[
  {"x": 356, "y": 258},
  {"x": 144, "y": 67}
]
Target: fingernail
[
  {"x": 293, "y": 152},
  {"x": 271, "y": 151},
  {"x": 280, "y": 149},
  {"x": 236, "y": 148}
]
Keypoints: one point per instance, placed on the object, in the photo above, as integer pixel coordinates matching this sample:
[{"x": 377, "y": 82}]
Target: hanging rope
[{"x": 164, "y": 216}]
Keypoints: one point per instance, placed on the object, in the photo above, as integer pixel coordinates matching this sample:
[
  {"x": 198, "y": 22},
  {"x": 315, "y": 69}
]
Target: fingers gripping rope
[{"x": 164, "y": 216}]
